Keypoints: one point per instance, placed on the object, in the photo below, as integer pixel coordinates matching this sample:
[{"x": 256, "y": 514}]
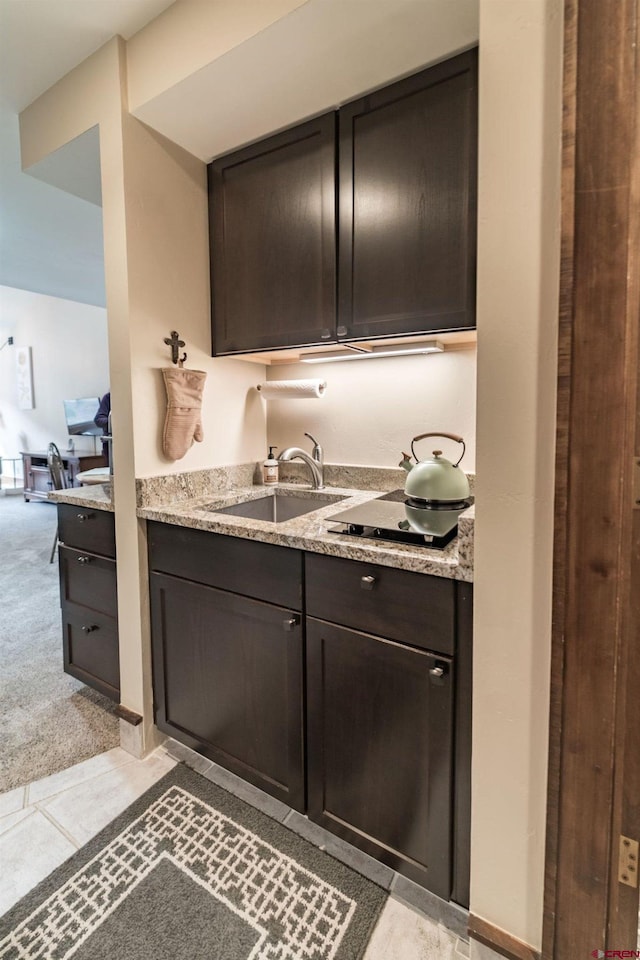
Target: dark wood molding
[
  {"x": 128, "y": 715},
  {"x": 500, "y": 941},
  {"x": 566, "y": 310},
  {"x": 623, "y": 901},
  {"x": 592, "y": 768}
]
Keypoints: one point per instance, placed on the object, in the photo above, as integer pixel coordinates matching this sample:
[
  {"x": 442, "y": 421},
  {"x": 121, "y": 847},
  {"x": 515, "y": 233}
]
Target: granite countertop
[
  {"x": 95, "y": 495},
  {"x": 307, "y": 532}
]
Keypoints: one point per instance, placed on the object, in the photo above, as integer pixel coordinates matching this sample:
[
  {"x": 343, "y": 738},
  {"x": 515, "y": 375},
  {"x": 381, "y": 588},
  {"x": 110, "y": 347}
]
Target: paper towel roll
[{"x": 292, "y": 389}]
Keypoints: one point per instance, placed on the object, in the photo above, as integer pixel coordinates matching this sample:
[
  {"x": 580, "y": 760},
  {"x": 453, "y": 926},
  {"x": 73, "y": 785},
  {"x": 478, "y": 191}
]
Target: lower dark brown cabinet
[
  {"x": 89, "y": 597},
  {"x": 228, "y": 673},
  {"x": 379, "y": 736},
  {"x": 363, "y": 723}
]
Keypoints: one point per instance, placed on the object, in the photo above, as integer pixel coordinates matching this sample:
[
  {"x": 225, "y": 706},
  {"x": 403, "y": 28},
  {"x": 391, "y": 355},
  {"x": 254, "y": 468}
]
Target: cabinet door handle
[
  {"x": 84, "y": 516},
  {"x": 84, "y": 559},
  {"x": 90, "y": 628},
  {"x": 367, "y": 583},
  {"x": 438, "y": 673},
  {"x": 291, "y": 623}
]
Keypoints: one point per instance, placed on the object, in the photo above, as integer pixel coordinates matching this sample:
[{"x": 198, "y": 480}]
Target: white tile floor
[{"x": 47, "y": 821}]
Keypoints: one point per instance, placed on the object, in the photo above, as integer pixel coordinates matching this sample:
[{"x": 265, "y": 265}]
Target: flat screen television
[{"x": 80, "y": 415}]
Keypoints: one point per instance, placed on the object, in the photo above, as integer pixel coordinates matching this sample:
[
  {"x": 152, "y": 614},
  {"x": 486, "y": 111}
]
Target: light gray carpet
[
  {"x": 48, "y": 720},
  {"x": 190, "y": 871}
]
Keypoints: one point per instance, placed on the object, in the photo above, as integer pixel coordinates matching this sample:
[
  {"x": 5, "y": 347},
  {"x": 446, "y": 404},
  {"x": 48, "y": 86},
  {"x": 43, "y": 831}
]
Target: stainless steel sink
[{"x": 277, "y": 507}]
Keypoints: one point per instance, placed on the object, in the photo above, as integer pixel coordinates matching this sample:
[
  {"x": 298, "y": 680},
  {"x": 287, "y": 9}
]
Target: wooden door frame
[{"x": 594, "y": 749}]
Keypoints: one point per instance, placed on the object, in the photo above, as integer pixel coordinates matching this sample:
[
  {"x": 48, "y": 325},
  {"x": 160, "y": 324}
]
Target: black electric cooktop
[{"x": 395, "y": 518}]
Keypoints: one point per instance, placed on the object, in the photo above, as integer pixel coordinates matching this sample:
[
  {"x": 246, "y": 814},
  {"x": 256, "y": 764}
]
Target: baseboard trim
[
  {"x": 499, "y": 940},
  {"x": 125, "y": 714}
]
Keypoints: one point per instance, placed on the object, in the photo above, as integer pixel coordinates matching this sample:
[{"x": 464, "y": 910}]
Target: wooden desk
[{"x": 37, "y": 479}]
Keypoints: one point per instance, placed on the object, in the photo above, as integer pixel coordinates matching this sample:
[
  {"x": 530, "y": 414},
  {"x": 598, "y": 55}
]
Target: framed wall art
[{"x": 24, "y": 378}]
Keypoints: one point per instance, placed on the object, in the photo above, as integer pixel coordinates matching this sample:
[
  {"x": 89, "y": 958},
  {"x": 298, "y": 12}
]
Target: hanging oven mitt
[{"x": 183, "y": 423}]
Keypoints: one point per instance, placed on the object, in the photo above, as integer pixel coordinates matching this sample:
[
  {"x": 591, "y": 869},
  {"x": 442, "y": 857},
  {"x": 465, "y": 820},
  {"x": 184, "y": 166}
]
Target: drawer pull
[
  {"x": 438, "y": 673},
  {"x": 367, "y": 583},
  {"x": 90, "y": 628},
  {"x": 84, "y": 559},
  {"x": 84, "y": 516},
  {"x": 291, "y": 623}
]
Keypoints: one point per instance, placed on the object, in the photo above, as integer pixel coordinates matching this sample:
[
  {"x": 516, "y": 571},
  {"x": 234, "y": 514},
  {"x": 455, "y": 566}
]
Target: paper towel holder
[{"x": 321, "y": 386}]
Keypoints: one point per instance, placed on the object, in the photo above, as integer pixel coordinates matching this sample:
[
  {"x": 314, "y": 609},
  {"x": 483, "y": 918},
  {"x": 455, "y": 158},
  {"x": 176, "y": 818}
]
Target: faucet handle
[{"x": 317, "y": 449}]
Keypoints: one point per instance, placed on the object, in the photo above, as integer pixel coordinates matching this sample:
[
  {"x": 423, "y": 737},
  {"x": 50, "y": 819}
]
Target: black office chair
[{"x": 58, "y": 481}]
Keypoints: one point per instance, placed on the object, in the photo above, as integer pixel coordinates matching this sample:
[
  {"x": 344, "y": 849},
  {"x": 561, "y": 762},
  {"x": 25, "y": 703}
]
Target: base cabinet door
[
  {"x": 379, "y": 742},
  {"x": 228, "y": 677}
]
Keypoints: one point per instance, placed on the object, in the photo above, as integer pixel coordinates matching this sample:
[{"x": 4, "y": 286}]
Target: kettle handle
[{"x": 449, "y": 436}]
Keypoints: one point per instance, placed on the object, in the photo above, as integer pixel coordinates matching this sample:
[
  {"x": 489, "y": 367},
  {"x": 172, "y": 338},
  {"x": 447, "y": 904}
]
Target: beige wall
[
  {"x": 167, "y": 261},
  {"x": 156, "y": 274},
  {"x": 238, "y": 87},
  {"x": 520, "y": 116},
  {"x": 188, "y": 36},
  {"x": 373, "y": 408},
  {"x": 75, "y": 104},
  {"x": 70, "y": 359}
]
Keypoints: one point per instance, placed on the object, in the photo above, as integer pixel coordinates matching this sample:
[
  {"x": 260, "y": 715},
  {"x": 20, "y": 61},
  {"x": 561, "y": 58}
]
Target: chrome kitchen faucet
[{"x": 315, "y": 462}]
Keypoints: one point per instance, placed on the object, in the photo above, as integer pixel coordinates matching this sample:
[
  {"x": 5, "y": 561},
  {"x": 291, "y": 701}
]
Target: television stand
[{"x": 37, "y": 479}]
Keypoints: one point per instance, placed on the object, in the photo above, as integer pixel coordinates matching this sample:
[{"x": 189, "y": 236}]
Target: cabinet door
[
  {"x": 379, "y": 739},
  {"x": 407, "y": 228},
  {"x": 272, "y": 241},
  {"x": 228, "y": 681}
]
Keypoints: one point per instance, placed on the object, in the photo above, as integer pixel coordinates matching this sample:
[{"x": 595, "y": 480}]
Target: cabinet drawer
[
  {"x": 258, "y": 570},
  {"x": 90, "y": 649},
  {"x": 87, "y": 529},
  {"x": 88, "y": 580},
  {"x": 409, "y": 607}
]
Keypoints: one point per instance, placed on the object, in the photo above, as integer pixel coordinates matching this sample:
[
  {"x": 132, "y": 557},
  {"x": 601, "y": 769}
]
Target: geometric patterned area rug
[{"x": 190, "y": 872}]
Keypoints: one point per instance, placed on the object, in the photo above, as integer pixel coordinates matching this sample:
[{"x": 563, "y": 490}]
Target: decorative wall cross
[{"x": 175, "y": 343}]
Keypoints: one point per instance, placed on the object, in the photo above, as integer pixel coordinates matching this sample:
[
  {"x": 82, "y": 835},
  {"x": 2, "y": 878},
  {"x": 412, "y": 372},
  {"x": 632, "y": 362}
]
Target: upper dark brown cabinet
[
  {"x": 272, "y": 241},
  {"x": 407, "y": 202},
  {"x": 405, "y": 195}
]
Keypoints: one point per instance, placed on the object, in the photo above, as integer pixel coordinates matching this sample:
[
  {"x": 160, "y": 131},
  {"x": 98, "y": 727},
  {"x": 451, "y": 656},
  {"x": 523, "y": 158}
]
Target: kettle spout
[{"x": 405, "y": 463}]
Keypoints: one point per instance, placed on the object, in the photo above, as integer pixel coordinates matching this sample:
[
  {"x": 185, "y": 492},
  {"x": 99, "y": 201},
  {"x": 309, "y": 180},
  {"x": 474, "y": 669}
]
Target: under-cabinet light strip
[{"x": 428, "y": 346}]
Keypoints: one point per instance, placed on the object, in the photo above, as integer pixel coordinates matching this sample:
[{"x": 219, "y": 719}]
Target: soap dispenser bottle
[{"x": 270, "y": 469}]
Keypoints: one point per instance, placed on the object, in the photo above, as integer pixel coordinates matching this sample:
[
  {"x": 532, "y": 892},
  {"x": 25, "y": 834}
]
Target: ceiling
[{"x": 51, "y": 240}]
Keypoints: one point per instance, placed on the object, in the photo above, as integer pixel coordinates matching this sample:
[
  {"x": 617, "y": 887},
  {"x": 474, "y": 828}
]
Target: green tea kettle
[{"x": 435, "y": 482}]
